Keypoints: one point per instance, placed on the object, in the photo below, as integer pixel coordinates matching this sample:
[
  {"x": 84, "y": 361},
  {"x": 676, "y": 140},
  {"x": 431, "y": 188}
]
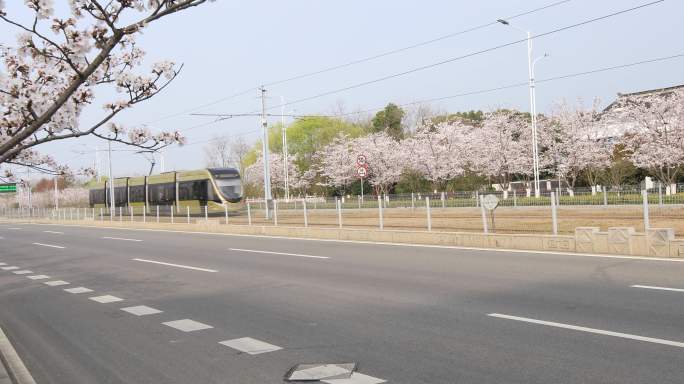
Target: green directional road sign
[{"x": 8, "y": 188}]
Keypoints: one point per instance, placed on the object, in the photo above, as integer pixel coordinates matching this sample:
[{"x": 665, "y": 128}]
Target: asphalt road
[{"x": 404, "y": 314}]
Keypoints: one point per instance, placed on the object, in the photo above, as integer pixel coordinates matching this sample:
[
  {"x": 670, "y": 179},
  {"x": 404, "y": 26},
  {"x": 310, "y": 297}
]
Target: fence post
[
  {"x": 306, "y": 218},
  {"x": 249, "y": 214},
  {"x": 605, "y": 197},
  {"x": 429, "y": 212},
  {"x": 443, "y": 200},
  {"x": 131, "y": 209},
  {"x": 71, "y": 214},
  {"x": 275, "y": 212},
  {"x": 515, "y": 198},
  {"x": 484, "y": 214},
  {"x": 187, "y": 213},
  {"x": 120, "y": 213},
  {"x": 413, "y": 200},
  {"x": 157, "y": 212},
  {"x": 647, "y": 223},
  {"x": 554, "y": 217},
  {"x": 101, "y": 215},
  {"x": 660, "y": 193},
  {"x": 173, "y": 208},
  {"x": 225, "y": 210},
  {"x": 382, "y": 224},
  {"x": 339, "y": 213},
  {"x": 145, "y": 214}
]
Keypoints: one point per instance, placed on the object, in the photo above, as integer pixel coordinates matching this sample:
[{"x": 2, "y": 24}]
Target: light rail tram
[{"x": 216, "y": 188}]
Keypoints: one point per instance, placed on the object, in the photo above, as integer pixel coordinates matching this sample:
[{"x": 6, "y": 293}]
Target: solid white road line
[
  {"x": 250, "y": 346},
  {"x": 278, "y": 253},
  {"x": 54, "y": 232},
  {"x": 590, "y": 330},
  {"x": 386, "y": 243},
  {"x": 106, "y": 299},
  {"x": 187, "y": 325},
  {"x": 176, "y": 265},
  {"x": 658, "y": 288},
  {"x": 121, "y": 239},
  {"x": 48, "y": 245}
]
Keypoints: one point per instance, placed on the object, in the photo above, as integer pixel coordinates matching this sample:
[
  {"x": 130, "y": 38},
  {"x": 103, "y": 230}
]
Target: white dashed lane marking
[
  {"x": 589, "y": 330},
  {"x": 3, "y": 263},
  {"x": 38, "y": 277},
  {"x": 658, "y": 288},
  {"x": 187, "y": 325},
  {"x": 279, "y": 253},
  {"x": 250, "y": 346},
  {"x": 10, "y": 268},
  {"x": 49, "y": 245},
  {"x": 141, "y": 310},
  {"x": 56, "y": 283},
  {"x": 176, "y": 265},
  {"x": 22, "y": 272},
  {"x": 78, "y": 290},
  {"x": 15, "y": 228},
  {"x": 356, "y": 378},
  {"x": 54, "y": 232},
  {"x": 121, "y": 239},
  {"x": 106, "y": 299}
]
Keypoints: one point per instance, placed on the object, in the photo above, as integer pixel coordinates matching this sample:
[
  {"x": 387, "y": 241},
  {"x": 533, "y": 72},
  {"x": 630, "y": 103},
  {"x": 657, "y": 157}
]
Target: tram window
[
  {"x": 137, "y": 194},
  {"x": 162, "y": 194},
  {"x": 97, "y": 196},
  {"x": 121, "y": 195},
  {"x": 193, "y": 190}
]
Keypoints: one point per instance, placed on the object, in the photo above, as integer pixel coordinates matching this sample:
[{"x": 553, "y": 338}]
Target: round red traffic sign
[
  {"x": 362, "y": 172},
  {"x": 361, "y": 160}
]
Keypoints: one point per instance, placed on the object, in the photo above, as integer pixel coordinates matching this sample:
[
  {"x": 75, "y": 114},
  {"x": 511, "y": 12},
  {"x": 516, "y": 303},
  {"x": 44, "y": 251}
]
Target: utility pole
[
  {"x": 98, "y": 176},
  {"x": 112, "y": 202},
  {"x": 28, "y": 183},
  {"x": 285, "y": 152},
  {"x": 267, "y": 170},
  {"x": 56, "y": 193}
]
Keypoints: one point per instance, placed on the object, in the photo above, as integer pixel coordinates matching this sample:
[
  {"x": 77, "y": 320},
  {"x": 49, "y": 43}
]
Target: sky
[{"x": 228, "y": 47}]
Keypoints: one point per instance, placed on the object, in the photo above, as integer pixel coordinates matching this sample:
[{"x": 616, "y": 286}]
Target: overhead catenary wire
[
  {"x": 356, "y": 62},
  {"x": 526, "y": 83},
  {"x": 462, "y": 57}
]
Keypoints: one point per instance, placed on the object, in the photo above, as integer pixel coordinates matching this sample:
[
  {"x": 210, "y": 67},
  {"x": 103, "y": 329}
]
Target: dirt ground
[{"x": 506, "y": 219}]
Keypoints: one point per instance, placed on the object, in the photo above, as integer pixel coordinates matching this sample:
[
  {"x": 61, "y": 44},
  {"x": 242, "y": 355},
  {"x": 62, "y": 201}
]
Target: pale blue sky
[{"x": 230, "y": 46}]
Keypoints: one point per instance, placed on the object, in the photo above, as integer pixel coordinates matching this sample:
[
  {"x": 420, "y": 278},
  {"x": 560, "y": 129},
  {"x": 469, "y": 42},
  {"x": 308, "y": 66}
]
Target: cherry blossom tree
[
  {"x": 574, "y": 144},
  {"x": 502, "y": 147},
  {"x": 337, "y": 163},
  {"x": 439, "y": 153},
  {"x": 254, "y": 174},
  {"x": 387, "y": 159},
  {"x": 60, "y": 63},
  {"x": 656, "y": 136}
]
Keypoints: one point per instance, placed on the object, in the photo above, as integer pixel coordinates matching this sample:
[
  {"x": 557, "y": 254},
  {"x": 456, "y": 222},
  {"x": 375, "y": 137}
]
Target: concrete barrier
[{"x": 658, "y": 242}]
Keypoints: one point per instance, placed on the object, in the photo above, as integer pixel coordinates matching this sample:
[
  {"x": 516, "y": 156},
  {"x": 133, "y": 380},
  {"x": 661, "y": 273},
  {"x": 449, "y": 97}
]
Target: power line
[
  {"x": 358, "y": 61},
  {"x": 525, "y": 83},
  {"x": 476, "y": 53}
]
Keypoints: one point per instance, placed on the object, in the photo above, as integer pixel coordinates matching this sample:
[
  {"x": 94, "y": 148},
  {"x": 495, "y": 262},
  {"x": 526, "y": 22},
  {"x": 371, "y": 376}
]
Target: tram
[{"x": 217, "y": 189}]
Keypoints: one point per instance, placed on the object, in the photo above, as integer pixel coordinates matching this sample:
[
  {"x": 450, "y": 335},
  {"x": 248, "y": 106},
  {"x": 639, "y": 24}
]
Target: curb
[{"x": 12, "y": 369}]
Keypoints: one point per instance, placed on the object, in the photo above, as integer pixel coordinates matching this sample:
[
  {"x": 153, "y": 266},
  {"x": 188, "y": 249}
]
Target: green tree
[{"x": 389, "y": 121}]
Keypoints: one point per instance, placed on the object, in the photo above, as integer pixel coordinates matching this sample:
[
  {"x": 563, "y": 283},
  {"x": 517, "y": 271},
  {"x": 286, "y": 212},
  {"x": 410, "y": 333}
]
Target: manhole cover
[{"x": 317, "y": 372}]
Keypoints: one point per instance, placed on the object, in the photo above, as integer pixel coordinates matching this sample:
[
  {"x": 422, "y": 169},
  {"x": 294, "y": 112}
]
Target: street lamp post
[
  {"x": 285, "y": 152},
  {"x": 533, "y": 105}
]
